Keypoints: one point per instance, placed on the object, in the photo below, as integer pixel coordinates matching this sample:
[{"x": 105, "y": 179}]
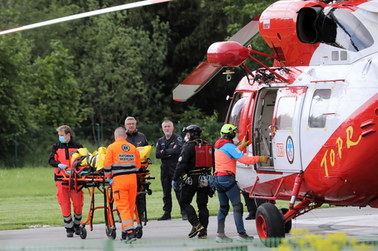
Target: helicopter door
[
  {"x": 262, "y": 121},
  {"x": 285, "y": 129}
]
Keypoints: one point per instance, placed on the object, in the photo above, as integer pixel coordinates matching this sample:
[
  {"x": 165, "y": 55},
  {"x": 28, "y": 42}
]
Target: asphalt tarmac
[{"x": 172, "y": 234}]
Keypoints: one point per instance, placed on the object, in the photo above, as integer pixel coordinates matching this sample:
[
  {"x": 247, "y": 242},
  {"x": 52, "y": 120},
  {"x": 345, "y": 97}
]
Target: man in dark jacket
[
  {"x": 194, "y": 170},
  {"x": 60, "y": 159},
  {"x": 133, "y": 136},
  {"x": 137, "y": 139},
  {"x": 168, "y": 149}
]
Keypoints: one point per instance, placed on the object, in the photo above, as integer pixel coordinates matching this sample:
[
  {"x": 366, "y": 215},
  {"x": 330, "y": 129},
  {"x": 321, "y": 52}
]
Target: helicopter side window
[
  {"x": 285, "y": 113},
  {"x": 351, "y": 33},
  {"x": 319, "y": 106},
  {"x": 236, "y": 110}
]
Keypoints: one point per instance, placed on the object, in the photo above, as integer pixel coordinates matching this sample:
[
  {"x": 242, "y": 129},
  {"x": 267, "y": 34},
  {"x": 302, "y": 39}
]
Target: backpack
[{"x": 204, "y": 154}]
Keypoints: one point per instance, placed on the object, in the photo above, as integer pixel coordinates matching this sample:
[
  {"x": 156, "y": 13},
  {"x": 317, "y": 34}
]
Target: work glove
[
  {"x": 62, "y": 166},
  {"x": 175, "y": 185},
  {"x": 244, "y": 143},
  {"x": 110, "y": 181},
  {"x": 264, "y": 159}
]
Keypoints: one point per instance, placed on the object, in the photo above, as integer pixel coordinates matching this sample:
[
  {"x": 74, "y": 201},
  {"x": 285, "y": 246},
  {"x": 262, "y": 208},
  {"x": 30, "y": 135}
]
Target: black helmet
[{"x": 193, "y": 130}]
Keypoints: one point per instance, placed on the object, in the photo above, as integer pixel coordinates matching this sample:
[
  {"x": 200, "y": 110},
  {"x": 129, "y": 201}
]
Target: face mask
[
  {"x": 186, "y": 138},
  {"x": 62, "y": 139}
]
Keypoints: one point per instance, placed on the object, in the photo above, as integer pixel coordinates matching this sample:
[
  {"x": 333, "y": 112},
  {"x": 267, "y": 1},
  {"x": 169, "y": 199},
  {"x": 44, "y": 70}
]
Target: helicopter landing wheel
[
  {"x": 270, "y": 225},
  {"x": 288, "y": 224}
]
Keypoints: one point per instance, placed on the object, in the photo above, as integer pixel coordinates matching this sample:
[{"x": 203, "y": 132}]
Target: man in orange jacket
[
  {"x": 60, "y": 156},
  {"x": 122, "y": 161}
]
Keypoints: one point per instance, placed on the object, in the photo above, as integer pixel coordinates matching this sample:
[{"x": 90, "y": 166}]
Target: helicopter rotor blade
[
  {"x": 205, "y": 71},
  {"x": 196, "y": 80},
  {"x": 82, "y": 15},
  {"x": 247, "y": 33}
]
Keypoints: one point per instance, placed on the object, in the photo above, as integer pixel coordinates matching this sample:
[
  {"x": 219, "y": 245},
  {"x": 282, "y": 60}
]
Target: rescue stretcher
[{"x": 86, "y": 173}]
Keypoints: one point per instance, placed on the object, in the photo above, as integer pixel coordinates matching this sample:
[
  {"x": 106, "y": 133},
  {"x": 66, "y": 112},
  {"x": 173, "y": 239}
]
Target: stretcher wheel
[
  {"x": 139, "y": 232},
  {"x": 111, "y": 233},
  {"x": 83, "y": 232}
]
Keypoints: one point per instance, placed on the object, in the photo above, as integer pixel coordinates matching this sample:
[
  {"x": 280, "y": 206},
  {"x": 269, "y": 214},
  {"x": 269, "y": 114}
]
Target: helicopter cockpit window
[
  {"x": 236, "y": 110},
  {"x": 319, "y": 107},
  {"x": 351, "y": 34},
  {"x": 285, "y": 113}
]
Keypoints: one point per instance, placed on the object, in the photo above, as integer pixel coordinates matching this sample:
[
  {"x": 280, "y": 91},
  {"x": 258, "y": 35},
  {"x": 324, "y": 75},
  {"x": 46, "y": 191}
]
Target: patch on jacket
[{"x": 126, "y": 157}]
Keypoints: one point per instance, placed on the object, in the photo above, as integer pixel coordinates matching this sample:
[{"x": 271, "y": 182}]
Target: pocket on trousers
[
  {"x": 223, "y": 185},
  {"x": 116, "y": 195}
]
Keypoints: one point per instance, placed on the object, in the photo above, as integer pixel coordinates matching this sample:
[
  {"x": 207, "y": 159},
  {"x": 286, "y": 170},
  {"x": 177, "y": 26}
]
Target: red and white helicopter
[{"x": 314, "y": 112}]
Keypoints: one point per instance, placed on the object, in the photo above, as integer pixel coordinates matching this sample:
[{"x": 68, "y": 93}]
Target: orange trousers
[
  {"x": 65, "y": 196},
  {"x": 124, "y": 194}
]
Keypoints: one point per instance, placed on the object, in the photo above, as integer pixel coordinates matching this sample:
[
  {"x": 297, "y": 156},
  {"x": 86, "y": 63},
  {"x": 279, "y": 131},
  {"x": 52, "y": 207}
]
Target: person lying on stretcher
[{"x": 94, "y": 162}]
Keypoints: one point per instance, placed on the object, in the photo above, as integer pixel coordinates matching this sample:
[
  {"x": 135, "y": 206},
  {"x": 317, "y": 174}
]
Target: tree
[
  {"x": 55, "y": 94},
  {"x": 121, "y": 69},
  {"x": 14, "y": 109},
  {"x": 98, "y": 70}
]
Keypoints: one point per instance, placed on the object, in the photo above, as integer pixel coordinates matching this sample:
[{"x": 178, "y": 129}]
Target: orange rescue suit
[
  {"x": 121, "y": 159},
  {"x": 61, "y": 153}
]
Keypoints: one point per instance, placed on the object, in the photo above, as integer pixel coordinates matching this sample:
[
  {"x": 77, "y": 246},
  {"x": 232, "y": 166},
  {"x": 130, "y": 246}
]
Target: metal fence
[{"x": 33, "y": 147}]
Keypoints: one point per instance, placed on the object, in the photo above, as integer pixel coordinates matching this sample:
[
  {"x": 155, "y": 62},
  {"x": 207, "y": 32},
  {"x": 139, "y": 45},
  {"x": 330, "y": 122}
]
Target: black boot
[
  {"x": 251, "y": 216},
  {"x": 123, "y": 237},
  {"x": 202, "y": 234},
  {"x": 77, "y": 229},
  {"x": 165, "y": 216},
  {"x": 77, "y": 220},
  {"x": 195, "y": 230},
  {"x": 70, "y": 232},
  {"x": 130, "y": 236}
]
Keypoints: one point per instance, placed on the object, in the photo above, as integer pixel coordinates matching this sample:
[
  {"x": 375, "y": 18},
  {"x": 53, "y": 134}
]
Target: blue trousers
[{"x": 228, "y": 190}]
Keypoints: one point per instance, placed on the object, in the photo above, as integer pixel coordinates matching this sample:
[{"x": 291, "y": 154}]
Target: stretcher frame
[{"x": 86, "y": 177}]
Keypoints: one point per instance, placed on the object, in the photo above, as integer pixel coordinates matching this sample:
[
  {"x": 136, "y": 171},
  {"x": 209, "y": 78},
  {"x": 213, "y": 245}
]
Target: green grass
[{"x": 27, "y": 199}]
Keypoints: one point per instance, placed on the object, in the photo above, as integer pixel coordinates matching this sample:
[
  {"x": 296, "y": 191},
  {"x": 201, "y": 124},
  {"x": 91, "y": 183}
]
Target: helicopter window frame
[
  {"x": 351, "y": 34},
  {"x": 285, "y": 112},
  {"x": 320, "y": 102},
  {"x": 237, "y": 107}
]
